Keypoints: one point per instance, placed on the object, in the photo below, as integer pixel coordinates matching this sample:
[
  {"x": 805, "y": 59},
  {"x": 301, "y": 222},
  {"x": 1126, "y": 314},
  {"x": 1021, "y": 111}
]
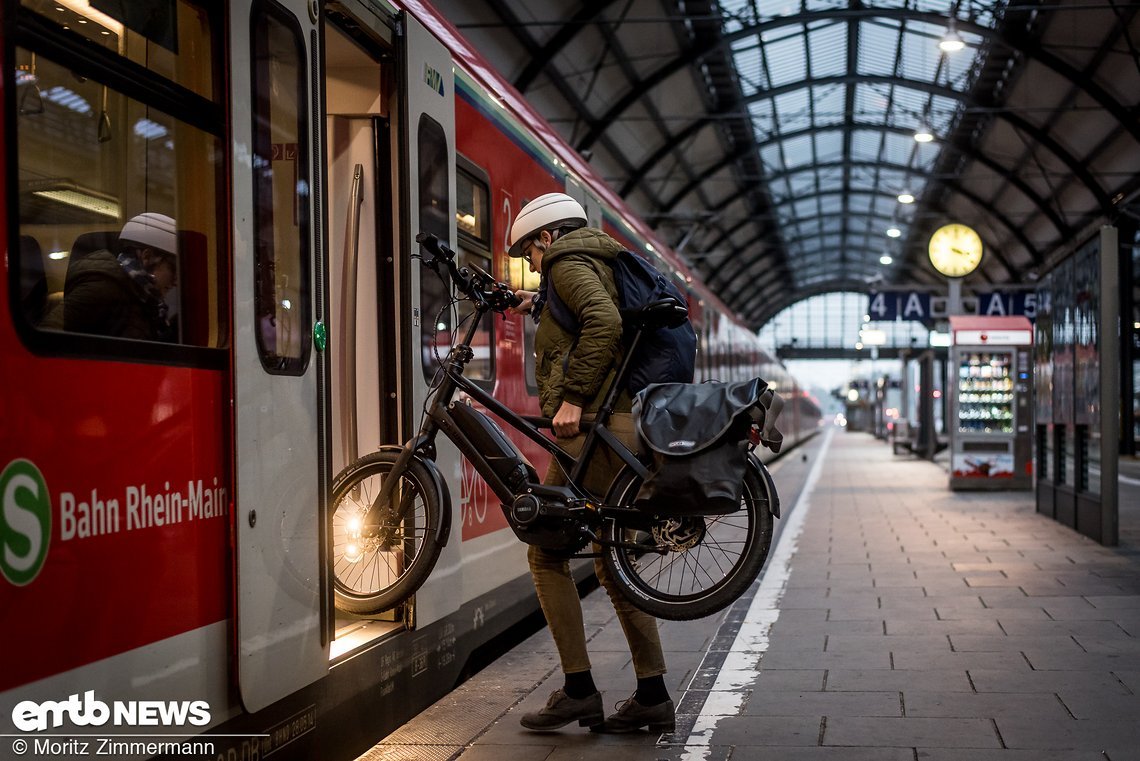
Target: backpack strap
[{"x": 558, "y": 309}]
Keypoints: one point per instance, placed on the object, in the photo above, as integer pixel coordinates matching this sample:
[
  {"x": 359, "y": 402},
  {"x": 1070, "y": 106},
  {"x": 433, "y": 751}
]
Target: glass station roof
[
  {"x": 835, "y": 103},
  {"x": 772, "y": 143}
]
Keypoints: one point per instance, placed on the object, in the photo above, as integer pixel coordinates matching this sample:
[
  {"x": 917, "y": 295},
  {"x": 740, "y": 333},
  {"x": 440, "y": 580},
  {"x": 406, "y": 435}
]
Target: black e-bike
[{"x": 391, "y": 510}]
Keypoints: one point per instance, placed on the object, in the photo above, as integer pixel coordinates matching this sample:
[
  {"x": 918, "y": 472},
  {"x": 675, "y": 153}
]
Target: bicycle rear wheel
[
  {"x": 711, "y": 560},
  {"x": 374, "y": 571}
]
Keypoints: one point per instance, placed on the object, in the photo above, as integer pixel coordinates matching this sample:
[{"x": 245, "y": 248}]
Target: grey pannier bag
[{"x": 699, "y": 436}]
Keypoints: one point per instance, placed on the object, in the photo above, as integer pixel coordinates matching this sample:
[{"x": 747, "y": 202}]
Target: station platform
[{"x": 895, "y": 620}]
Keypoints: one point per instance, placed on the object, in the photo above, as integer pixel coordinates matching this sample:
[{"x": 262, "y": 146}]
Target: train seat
[{"x": 33, "y": 280}]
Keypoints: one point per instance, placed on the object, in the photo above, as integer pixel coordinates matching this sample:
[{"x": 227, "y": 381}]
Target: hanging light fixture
[
  {"x": 905, "y": 197},
  {"x": 893, "y": 232},
  {"x": 951, "y": 42},
  {"x": 885, "y": 259},
  {"x": 923, "y": 134}
]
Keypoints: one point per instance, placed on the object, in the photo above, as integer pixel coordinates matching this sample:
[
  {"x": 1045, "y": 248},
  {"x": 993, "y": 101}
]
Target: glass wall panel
[
  {"x": 1133, "y": 329},
  {"x": 1086, "y": 376},
  {"x": 1063, "y": 328},
  {"x": 1086, "y": 306},
  {"x": 1043, "y": 352}
]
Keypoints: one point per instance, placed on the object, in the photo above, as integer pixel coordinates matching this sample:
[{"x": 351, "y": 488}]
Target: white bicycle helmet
[
  {"x": 547, "y": 212},
  {"x": 151, "y": 230}
]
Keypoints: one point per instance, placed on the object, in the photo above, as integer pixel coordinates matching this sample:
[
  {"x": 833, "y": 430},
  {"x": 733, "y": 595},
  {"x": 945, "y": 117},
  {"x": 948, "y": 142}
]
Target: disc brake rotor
[{"x": 680, "y": 534}]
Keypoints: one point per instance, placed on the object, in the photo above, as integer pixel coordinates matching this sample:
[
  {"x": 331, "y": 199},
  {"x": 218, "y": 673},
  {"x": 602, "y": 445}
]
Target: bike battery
[{"x": 501, "y": 454}]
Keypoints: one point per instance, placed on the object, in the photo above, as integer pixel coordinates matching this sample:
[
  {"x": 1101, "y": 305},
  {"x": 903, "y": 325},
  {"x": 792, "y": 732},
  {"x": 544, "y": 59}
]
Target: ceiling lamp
[
  {"x": 893, "y": 232},
  {"x": 885, "y": 259},
  {"x": 951, "y": 42},
  {"x": 905, "y": 197},
  {"x": 923, "y": 134}
]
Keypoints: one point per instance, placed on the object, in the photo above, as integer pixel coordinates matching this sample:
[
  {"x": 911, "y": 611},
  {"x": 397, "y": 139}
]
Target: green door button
[{"x": 320, "y": 335}]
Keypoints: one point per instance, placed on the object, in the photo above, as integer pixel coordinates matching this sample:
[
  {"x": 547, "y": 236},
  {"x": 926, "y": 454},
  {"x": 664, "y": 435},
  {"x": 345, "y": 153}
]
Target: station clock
[{"x": 955, "y": 250}]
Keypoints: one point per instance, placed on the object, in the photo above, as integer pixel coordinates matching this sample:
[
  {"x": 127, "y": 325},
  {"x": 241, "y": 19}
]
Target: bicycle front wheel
[
  {"x": 709, "y": 562},
  {"x": 376, "y": 569}
]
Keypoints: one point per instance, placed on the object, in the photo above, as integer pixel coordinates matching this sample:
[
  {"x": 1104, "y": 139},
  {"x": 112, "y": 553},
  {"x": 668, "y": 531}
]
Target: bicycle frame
[
  {"x": 559, "y": 518},
  {"x": 439, "y": 418}
]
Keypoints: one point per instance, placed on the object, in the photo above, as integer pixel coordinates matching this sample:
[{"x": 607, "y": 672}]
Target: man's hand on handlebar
[
  {"x": 526, "y": 302},
  {"x": 471, "y": 280}
]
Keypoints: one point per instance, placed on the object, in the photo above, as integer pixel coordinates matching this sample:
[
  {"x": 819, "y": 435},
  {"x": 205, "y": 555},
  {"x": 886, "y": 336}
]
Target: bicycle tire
[
  {"x": 641, "y": 576},
  {"x": 370, "y": 577}
]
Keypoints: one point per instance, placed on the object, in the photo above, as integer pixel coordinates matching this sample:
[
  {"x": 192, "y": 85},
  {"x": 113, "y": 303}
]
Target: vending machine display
[
  {"x": 985, "y": 392},
  {"x": 991, "y": 415}
]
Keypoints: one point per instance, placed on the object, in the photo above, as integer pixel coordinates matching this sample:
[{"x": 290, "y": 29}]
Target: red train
[{"x": 169, "y": 441}]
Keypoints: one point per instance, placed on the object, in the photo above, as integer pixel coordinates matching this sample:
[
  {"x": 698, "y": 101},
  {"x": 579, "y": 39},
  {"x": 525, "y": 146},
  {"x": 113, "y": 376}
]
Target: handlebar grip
[
  {"x": 513, "y": 299},
  {"x": 438, "y": 248}
]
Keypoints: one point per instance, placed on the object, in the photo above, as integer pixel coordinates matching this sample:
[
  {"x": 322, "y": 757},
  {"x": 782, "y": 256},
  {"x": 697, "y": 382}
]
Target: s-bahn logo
[{"x": 25, "y": 522}]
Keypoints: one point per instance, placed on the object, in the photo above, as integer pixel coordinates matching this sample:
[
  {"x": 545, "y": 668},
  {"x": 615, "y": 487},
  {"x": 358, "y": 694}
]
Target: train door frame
[
  {"x": 362, "y": 209},
  {"x": 280, "y": 446},
  {"x": 423, "y": 87},
  {"x": 367, "y": 280}
]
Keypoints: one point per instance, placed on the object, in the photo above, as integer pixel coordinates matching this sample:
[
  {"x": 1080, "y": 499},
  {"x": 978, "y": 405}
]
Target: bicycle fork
[{"x": 382, "y": 512}]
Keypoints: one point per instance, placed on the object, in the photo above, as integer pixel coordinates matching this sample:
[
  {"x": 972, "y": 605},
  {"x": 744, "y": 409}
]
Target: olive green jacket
[{"x": 580, "y": 368}]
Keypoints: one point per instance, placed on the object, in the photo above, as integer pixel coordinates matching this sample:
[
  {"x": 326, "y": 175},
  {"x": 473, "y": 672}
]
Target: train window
[
  {"x": 280, "y": 193},
  {"x": 522, "y": 277},
  {"x": 472, "y": 219},
  {"x": 435, "y": 200},
  {"x": 109, "y": 241},
  {"x": 472, "y": 215},
  {"x": 170, "y": 38}
]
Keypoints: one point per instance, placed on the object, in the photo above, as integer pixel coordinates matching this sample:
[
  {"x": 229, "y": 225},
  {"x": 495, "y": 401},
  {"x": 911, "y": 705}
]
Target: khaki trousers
[{"x": 557, "y": 593}]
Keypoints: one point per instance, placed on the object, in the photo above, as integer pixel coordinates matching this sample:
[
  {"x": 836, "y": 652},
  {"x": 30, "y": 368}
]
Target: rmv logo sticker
[
  {"x": 25, "y": 522},
  {"x": 433, "y": 79}
]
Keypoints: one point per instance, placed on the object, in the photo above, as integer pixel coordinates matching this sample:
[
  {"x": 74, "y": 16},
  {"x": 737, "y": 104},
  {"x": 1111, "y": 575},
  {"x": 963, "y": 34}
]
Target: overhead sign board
[
  {"x": 921, "y": 306},
  {"x": 1010, "y": 304},
  {"x": 888, "y": 306}
]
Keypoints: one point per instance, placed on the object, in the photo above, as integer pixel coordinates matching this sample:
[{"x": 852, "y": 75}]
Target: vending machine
[{"x": 991, "y": 410}]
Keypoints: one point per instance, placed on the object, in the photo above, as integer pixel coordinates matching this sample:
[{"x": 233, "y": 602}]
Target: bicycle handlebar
[{"x": 472, "y": 281}]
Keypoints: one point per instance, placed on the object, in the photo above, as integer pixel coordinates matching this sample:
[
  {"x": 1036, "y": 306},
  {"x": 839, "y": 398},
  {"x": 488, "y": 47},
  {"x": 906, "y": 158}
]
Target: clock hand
[{"x": 958, "y": 251}]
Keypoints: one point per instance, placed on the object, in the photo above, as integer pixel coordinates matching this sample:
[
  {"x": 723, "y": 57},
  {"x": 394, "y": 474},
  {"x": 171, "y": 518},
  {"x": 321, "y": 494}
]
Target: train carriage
[{"x": 164, "y": 486}]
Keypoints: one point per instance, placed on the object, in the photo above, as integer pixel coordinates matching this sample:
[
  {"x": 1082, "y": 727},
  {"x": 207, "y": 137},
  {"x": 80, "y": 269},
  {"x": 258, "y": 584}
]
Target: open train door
[
  {"x": 280, "y": 445},
  {"x": 427, "y": 155}
]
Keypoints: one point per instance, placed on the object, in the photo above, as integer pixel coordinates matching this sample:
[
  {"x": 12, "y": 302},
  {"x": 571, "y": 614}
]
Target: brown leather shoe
[
  {"x": 561, "y": 709},
  {"x": 632, "y": 716}
]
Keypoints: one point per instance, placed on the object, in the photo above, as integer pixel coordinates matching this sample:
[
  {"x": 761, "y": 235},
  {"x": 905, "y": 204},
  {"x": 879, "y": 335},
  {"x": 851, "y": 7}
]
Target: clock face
[{"x": 955, "y": 250}]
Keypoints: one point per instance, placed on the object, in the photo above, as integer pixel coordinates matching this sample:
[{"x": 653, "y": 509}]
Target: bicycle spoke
[{"x": 376, "y": 567}]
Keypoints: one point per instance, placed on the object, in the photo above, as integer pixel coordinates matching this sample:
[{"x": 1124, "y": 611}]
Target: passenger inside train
[{"x": 125, "y": 294}]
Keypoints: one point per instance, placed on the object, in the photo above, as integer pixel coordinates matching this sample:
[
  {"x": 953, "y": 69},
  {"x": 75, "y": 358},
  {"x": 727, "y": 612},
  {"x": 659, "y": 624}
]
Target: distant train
[{"x": 211, "y": 309}]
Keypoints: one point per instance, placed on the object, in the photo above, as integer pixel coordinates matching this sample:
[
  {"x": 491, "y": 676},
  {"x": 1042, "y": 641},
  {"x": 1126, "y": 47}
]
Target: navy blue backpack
[{"x": 665, "y": 355}]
